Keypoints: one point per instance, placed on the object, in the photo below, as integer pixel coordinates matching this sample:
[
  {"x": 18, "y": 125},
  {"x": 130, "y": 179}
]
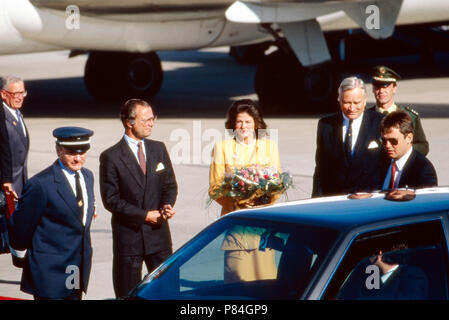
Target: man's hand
[
  {"x": 7, "y": 186},
  {"x": 168, "y": 211},
  {"x": 153, "y": 216}
]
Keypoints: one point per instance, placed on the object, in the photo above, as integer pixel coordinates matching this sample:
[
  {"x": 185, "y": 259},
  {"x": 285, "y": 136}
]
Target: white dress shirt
[
  {"x": 70, "y": 175},
  {"x": 134, "y": 146},
  {"x": 385, "y": 276},
  {"x": 400, "y": 163},
  {"x": 356, "y": 124},
  {"x": 14, "y": 114}
]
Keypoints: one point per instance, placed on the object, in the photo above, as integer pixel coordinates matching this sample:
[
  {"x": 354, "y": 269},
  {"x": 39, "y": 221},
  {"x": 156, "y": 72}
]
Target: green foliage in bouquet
[{"x": 252, "y": 184}]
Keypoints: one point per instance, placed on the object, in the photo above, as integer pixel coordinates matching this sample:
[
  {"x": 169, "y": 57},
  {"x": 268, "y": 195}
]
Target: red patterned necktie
[
  {"x": 393, "y": 173},
  {"x": 142, "y": 162}
]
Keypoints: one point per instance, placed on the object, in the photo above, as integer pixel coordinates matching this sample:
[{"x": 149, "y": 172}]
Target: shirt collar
[
  {"x": 385, "y": 277},
  {"x": 392, "y": 108},
  {"x": 63, "y": 167},
  {"x": 357, "y": 121},
  {"x": 13, "y": 111},
  {"x": 132, "y": 141},
  {"x": 400, "y": 163}
]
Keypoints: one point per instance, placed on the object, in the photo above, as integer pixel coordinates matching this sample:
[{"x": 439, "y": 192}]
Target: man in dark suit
[
  {"x": 348, "y": 147},
  {"x": 396, "y": 279},
  {"x": 52, "y": 222},
  {"x": 14, "y": 143},
  {"x": 405, "y": 167},
  {"x": 5, "y": 153},
  {"x": 384, "y": 82},
  {"x": 138, "y": 187}
]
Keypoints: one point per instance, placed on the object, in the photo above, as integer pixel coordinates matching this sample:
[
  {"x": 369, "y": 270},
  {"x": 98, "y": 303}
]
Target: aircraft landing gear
[
  {"x": 249, "y": 54},
  {"x": 114, "y": 76},
  {"x": 284, "y": 85}
]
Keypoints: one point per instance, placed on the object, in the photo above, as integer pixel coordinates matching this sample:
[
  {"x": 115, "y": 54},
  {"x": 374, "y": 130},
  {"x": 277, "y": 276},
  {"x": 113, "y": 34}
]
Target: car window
[
  {"x": 243, "y": 259},
  {"x": 404, "y": 263}
]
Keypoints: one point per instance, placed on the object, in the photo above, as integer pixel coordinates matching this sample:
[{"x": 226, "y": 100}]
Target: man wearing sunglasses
[
  {"x": 405, "y": 167},
  {"x": 384, "y": 82}
]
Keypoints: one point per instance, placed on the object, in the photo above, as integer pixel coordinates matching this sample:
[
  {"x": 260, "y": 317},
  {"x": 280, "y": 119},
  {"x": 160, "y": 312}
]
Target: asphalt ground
[{"x": 198, "y": 88}]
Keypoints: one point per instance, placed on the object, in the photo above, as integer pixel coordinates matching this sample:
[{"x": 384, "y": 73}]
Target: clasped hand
[{"x": 154, "y": 216}]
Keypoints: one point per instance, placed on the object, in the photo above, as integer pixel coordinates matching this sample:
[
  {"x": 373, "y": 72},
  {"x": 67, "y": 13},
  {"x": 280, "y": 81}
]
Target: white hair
[
  {"x": 7, "y": 80},
  {"x": 351, "y": 83}
]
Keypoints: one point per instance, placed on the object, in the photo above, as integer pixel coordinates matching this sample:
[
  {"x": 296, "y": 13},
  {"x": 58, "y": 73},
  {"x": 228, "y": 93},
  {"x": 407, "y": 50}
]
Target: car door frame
[{"x": 318, "y": 286}]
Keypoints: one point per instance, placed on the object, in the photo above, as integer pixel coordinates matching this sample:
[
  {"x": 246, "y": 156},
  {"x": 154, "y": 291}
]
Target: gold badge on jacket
[
  {"x": 80, "y": 203},
  {"x": 14, "y": 123}
]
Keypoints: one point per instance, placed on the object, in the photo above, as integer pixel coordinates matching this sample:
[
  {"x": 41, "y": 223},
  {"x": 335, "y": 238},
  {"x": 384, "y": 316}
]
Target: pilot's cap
[
  {"x": 75, "y": 139},
  {"x": 383, "y": 76}
]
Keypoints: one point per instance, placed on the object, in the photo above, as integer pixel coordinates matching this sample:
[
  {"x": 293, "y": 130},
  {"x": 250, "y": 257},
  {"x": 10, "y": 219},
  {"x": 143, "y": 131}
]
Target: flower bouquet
[{"x": 252, "y": 186}]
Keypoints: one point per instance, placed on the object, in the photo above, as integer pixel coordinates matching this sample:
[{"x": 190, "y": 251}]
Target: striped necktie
[
  {"x": 20, "y": 120},
  {"x": 348, "y": 142},
  {"x": 393, "y": 173},
  {"x": 141, "y": 156}
]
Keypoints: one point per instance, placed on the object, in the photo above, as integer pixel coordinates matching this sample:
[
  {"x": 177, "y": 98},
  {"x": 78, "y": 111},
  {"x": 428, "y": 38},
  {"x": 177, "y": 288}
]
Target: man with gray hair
[
  {"x": 348, "y": 151},
  {"x": 14, "y": 170},
  {"x": 14, "y": 143}
]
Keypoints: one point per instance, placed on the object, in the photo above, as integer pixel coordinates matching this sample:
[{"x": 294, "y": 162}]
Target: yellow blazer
[{"x": 230, "y": 154}]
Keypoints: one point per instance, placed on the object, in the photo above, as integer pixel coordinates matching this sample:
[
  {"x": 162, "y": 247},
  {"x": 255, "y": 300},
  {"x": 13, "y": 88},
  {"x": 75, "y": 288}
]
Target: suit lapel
[
  {"x": 361, "y": 138},
  {"x": 406, "y": 170},
  {"x": 130, "y": 162},
  {"x": 16, "y": 124},
  {"x": 151, "y": 161},
  {"x": 337, "y": 135},
  {"x": 90, "y": 195},
  {"x": 27, "y": 138},
  {"x": 65, "y": 191}
]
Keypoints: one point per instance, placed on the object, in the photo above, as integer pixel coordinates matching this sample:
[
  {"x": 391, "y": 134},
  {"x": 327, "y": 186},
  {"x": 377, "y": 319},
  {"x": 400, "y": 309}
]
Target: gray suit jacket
[{"x": 19, "y": 146}]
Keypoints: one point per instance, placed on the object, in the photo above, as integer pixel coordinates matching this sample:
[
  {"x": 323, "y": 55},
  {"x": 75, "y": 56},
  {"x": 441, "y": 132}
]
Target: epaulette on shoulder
[{"x": 412, "y": 111}]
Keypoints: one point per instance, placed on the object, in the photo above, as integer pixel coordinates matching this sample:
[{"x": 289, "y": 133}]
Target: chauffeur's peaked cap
[{"x": 74, "y": 138}]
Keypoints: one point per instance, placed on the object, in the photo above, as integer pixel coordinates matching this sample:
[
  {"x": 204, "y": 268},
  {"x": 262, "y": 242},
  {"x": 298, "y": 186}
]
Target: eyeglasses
[
  {"x": 17, "y": 94},
  {"x": 392, "y": 141},
  {"x": 149, "y": 120}
]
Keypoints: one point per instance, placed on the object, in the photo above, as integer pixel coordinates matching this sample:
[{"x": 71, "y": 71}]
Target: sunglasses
[{"x": 392, "y": 141}]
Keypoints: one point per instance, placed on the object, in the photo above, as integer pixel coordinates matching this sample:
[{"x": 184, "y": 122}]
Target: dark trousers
[{"x": 127, "y": 270}]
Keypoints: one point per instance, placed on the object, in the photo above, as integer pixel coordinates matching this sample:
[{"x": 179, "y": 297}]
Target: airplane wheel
[
  {"x": 113, "y": 76},
  {"x": 249, "y": 54},
  {"x": 283, "y": 85}
]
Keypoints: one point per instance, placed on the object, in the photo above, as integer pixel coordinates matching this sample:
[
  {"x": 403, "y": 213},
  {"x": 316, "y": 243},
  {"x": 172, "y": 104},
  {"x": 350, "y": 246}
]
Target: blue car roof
[{"x": 339, "y": 212}]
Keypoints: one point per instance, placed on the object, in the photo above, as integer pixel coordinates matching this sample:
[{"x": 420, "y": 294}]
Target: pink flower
[
  {"x": 241, "y": 183},
  {"x": 256, "y": 179},
  {"x": 266, "y": 177}
]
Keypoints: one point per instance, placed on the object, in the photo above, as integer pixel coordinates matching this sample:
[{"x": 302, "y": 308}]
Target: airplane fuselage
[{"x": 152, "y": 25}]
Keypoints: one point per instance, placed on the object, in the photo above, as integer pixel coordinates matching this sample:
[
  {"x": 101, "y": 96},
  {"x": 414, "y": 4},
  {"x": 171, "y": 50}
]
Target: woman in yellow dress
[{"x": 248, "y": 146}]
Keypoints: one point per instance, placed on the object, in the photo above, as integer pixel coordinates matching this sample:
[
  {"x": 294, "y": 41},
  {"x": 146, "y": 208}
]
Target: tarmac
[{"x": 198, "y": 88}]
